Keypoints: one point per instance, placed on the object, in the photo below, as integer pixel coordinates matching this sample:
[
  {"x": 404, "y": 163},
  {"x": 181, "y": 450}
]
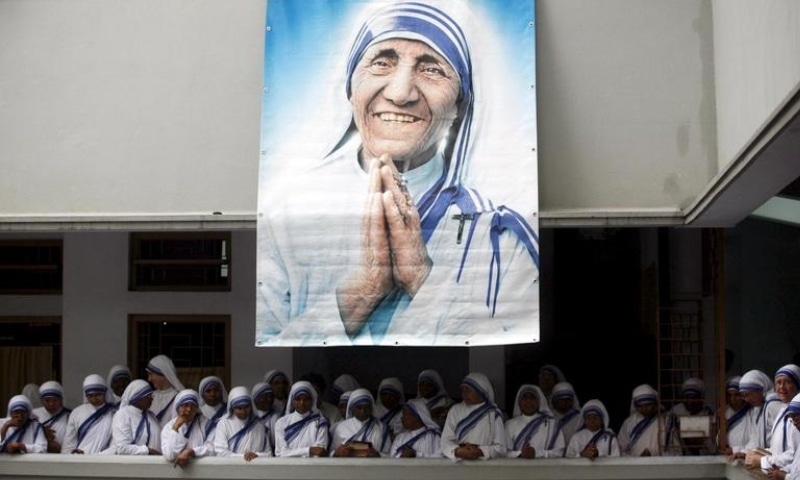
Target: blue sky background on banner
[{"x": 305, "y": 44}]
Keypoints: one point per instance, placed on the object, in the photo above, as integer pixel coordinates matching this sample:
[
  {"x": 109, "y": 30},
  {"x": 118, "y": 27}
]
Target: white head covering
[
  {"x": 595, "y": 406},
  {"x": 299, "y": 387},
  {"x": 51, "y": 389},
  {"x": 118, "y": 371},
  {"x": 135, "y": 391},
  {"x": 392, "y": 385},
  {"x": 344, "y": 398},
  {"x": 94, "y": 383},
  {"x": 643, "y": 394},
  {"x": 31, "y": 390},
  {"x": 19, "y": 402},
  {"x": 207, "y": 382},
  {"x": 162, "y": 365},
  {"x": 554, "y": 371},
  {"x": 433, "y": 377},
  {"x": 239, "y": 396},
  {"x": 186, "y": 396},
  {"x": 755, "y": 381},
  {"x": 732, "y": 384},
  {"x": 344, "y": 383},
  {"x": 259, "y": 389},
  {"x": 358, "y": 397},
  {"x": 481, "y": 384},
  {"x": 419, "y": 408},
  {"x": 270, "y": 376},
  {"x": 693, "y": 386},
  {"x": 544, "y": 407},
  {"x": 565, "y": 390}
]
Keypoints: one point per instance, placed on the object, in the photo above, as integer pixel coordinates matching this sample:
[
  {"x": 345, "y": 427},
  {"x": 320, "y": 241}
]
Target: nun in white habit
[
  {"x": 360, "y": 427},
  {"x": 184, "y": 437},
  {"x": 594, "y": 438},
  {"x": 20, "y": 432},
  {"x": 162, "y": 374},
  {"x": 241, "y": 433},
  {"x": 212, "y": 413},
  {"x": 89, "y": 425},
  {"x": 303, "y": 430},
  {"x": 421, "y": 436},
  {"x": 135, "y": 430},
  {"x": 532, "y": 432},
  {"x": 474, "y": 427}
]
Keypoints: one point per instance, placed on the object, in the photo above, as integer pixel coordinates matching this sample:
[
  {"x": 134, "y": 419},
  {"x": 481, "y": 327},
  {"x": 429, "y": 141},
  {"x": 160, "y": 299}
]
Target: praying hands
[{"x": 393, "y": 252}]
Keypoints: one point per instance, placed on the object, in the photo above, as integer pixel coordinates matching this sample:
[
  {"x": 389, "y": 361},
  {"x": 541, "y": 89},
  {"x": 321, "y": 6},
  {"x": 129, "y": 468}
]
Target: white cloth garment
[
  {"x": 537, "y": 430},
  {"x": 30, "y": 434},
  {"x": 487, "y": 431},
  {"x": 234, "y": 437},
  {"x": 57, "y": 421},
  {"x": 187, "y": 436},
  {"x": 482, "y": 288},
  {"x": 351, "y": 429},
  {"x": 653, "y": 434},
  {"x": 135, "y": 432},
  {"x": 295, "y": 433},
  {"x": 426, "y": 441},
  {"x": 569, "y": 421},
  {"x": 163, "y": 399},
  {"x": 604, "y": 439}
]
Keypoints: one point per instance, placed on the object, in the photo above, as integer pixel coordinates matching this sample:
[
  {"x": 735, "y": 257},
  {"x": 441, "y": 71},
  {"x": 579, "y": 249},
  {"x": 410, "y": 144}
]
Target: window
[
  {"x": 184, "y": 261},
  {"x": 31, "y": 267},
  {"x": 198, "y": 345}
]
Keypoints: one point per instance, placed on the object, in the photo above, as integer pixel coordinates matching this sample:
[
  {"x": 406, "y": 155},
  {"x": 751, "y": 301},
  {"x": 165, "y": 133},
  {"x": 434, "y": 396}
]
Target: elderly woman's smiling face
[{"x": 404, "y": 100}]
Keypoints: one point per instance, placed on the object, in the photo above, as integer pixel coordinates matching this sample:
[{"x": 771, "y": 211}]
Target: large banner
[{"x": 398, "y": 187}]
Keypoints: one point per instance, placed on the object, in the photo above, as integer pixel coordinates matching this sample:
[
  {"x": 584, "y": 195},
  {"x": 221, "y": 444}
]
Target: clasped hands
[{"x": 393, "y": 253}]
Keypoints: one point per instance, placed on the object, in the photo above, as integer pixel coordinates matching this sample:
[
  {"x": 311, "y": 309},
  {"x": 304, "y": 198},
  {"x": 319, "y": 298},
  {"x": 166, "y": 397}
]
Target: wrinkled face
[
  {"x": 302, "y": 403},
  {"x": 563, "y": 404},
  {"x": 212, "y": 395},
  {"x": 529, "y": 403},
  {"x": 52, "y": 404},
  {"x": 785, "y": 388},
  {"x": 404, "y": 97},
  {"x": 96, "y": 399},
  {"x": 470, "y": 396},
  {"x": 593, "y": 422},
  {"x": 427, "y": 388},
  {"x": 264, "y": 401}
]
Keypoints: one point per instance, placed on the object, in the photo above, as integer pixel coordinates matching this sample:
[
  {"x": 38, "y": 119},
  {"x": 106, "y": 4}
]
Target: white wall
[
  {"x": 149, "y": 107},
  {"x": 96, "y": 303},
  {"x": 756, "y": 67}
]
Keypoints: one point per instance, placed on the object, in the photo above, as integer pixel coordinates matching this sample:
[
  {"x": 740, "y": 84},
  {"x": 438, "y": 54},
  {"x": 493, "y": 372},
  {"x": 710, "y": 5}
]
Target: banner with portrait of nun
[{"x": 398, "y": 187}]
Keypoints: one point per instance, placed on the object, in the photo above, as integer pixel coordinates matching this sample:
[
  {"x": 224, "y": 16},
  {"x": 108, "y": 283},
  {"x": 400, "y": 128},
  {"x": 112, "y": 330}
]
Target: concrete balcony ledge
[{"x": 33, "y": 467}]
